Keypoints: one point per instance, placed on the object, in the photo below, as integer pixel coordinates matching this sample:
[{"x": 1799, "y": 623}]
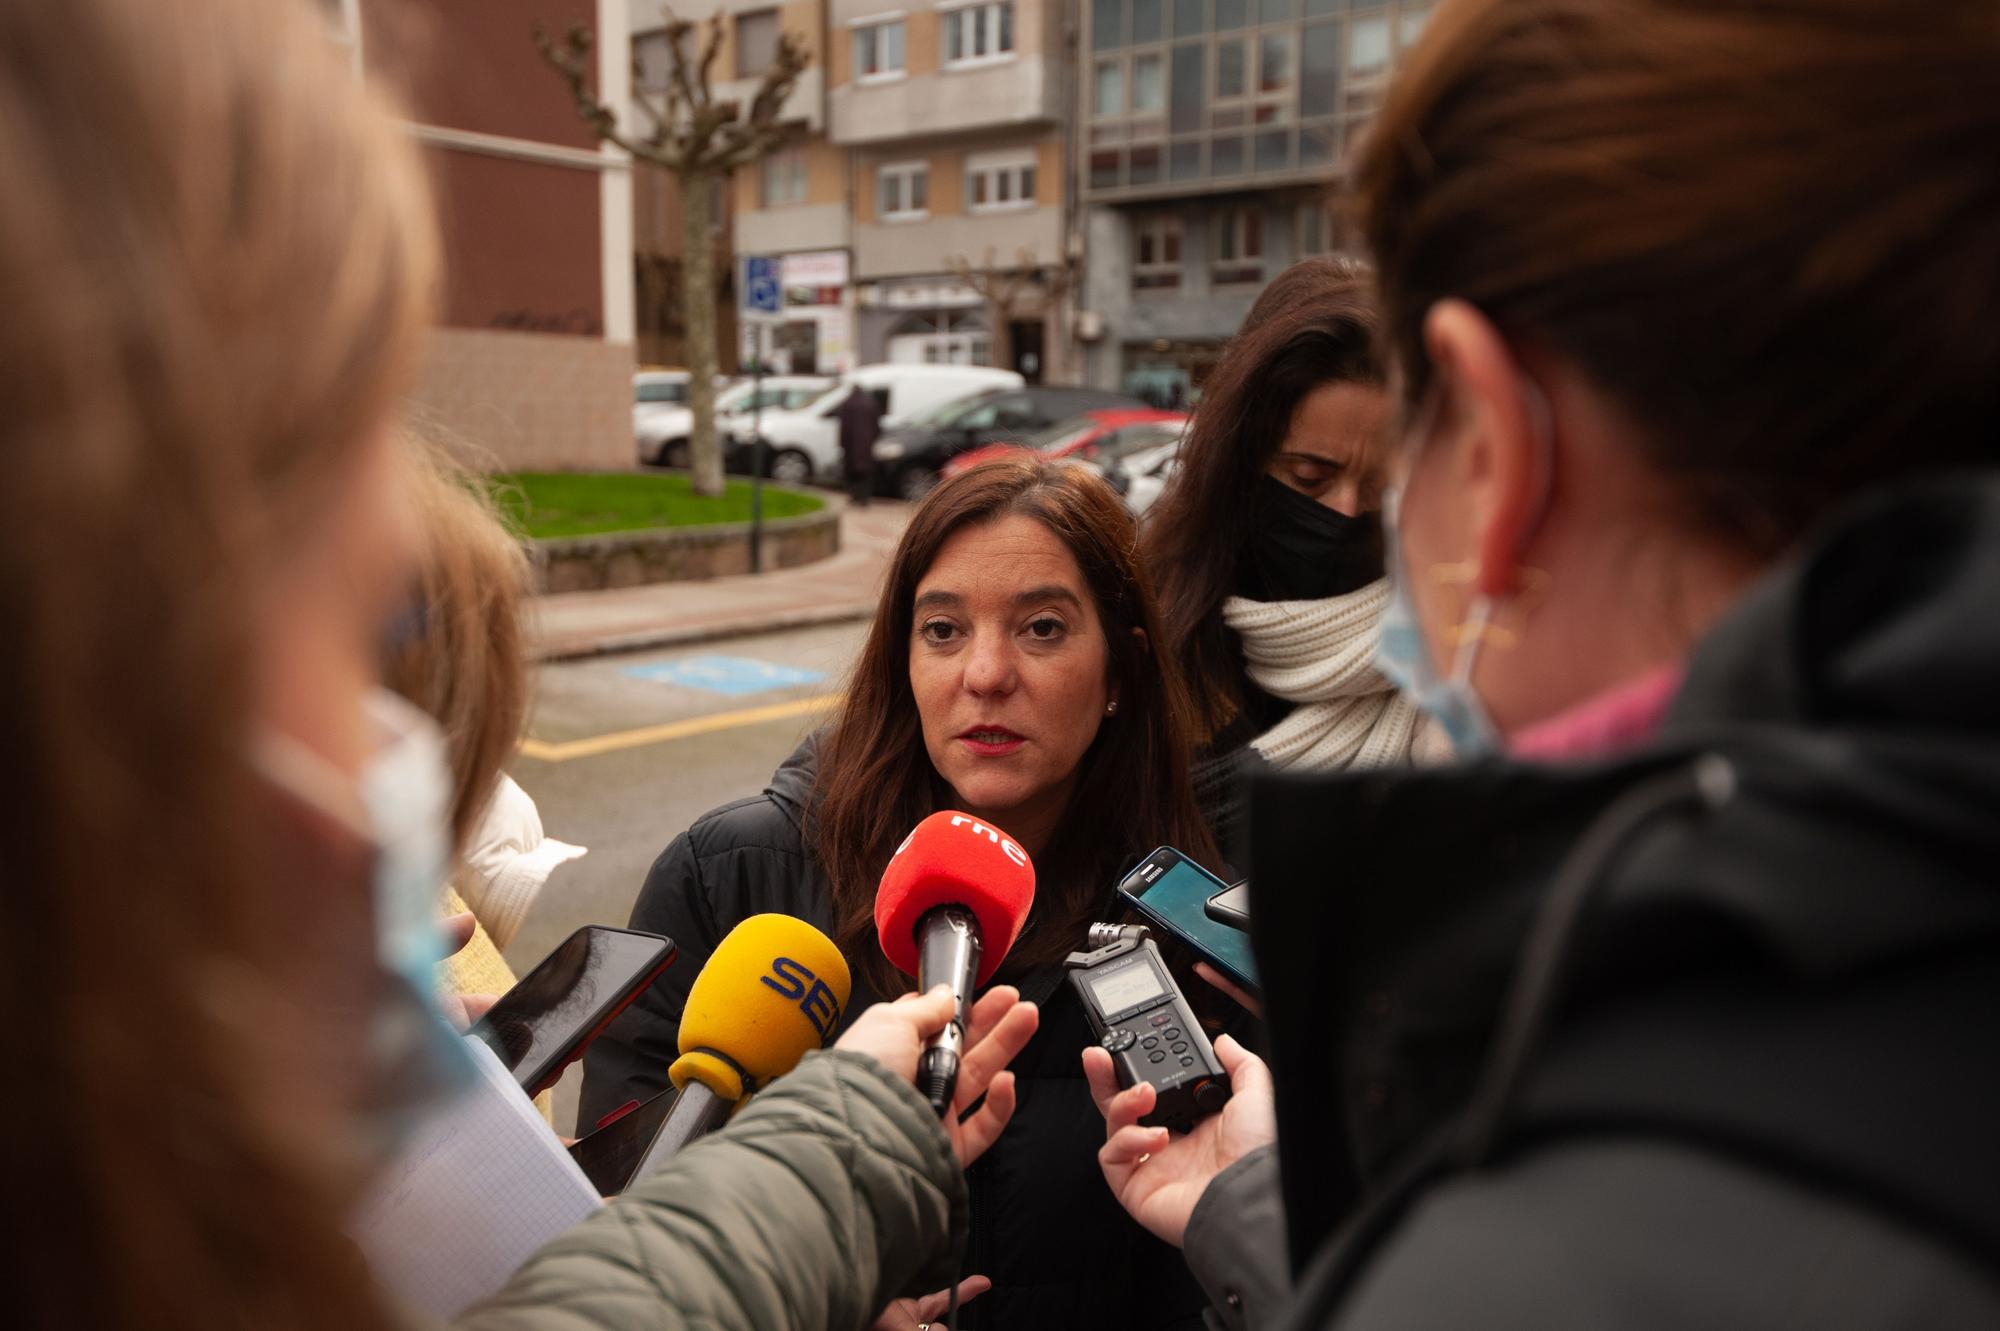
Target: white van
[{"x": 805, "y": 444}]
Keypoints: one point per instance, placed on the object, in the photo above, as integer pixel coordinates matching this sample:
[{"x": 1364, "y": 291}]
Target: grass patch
[{"x": 545, "y": 504}]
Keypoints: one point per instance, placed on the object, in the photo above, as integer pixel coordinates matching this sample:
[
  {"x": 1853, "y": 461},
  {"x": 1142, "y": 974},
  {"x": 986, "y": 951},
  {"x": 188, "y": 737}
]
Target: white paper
[{"x": 480, "y": 1186}]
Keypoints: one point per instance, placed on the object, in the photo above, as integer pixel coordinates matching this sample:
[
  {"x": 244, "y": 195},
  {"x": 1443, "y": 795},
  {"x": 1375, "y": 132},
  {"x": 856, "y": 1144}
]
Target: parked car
[
  {"x": 662, "y": 436},
  {"x": 1103, "y": 436},
  {"x": 1140, "y": 477},
  {"x": 804, "y": 444},
  {"x": 909, "y": 461},
  {"x": 654, "y": 391}
]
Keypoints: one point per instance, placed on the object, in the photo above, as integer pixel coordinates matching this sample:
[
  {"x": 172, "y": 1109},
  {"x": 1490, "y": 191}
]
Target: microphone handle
[
  {"x": 696, "y": 1112},
  {"x": 947, "y": 953}
]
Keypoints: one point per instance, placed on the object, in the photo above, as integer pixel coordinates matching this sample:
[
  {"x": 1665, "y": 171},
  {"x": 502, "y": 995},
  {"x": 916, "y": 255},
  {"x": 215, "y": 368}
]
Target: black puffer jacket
[
  {"x": 1699, "y": 1039},
  {"x": 1045, "y": 1230}
]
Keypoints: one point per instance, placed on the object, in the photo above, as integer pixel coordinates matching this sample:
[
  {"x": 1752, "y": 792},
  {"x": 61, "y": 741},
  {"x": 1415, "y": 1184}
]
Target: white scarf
[{"x": 1320, "y": 655}]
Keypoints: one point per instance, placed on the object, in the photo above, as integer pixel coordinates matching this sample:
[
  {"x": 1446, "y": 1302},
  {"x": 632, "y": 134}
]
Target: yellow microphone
[{"x": 772, "y": 991}]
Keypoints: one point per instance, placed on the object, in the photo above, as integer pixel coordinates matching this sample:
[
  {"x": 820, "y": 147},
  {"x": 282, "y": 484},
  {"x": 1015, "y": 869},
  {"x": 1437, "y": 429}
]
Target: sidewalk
[{"x": 579, "y": 624}]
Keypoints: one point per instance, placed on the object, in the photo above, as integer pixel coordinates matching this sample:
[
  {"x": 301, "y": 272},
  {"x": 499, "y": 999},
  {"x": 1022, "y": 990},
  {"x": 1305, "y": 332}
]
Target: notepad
[{"x": 482, "y": 1184}]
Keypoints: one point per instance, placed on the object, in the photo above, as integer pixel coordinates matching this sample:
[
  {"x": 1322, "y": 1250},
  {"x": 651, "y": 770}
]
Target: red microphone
[{"x": 952, "y": 901}]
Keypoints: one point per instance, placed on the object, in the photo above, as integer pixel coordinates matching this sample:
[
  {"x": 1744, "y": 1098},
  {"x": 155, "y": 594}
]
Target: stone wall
[
  {"x": 628, "y": 559},
  {"x": 524, "y": 401}
]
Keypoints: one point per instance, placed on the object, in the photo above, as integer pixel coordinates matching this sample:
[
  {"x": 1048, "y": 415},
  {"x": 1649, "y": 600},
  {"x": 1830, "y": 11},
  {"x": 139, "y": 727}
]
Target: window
[
  {"x": 756, "y": 42},
  {"x": 784, "y": 178},
  {"x": 1108, "y": 95},
  {"x": 1368, "y": 46},
  {"x": 903, "y": 191},
  {"x": 1238, "y": 247},
  {"x": 1149, "y": 84},
  {"x": 978, "y": 32},
  {"x": 653, "y": 57},
  {"x": 1138, "y": 438},
  {"x": 1229, "y": 69},
  {"x": 1277, "y": 79},
  {"x": 995, "y": 181},
  {"x": 1156, "y": 252},
  {"x": 1318, "y": 230},
  {"x": 878, "y": 50}
]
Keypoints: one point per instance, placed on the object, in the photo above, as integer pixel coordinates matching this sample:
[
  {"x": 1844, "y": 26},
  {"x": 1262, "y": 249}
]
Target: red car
[{"x": 1095, "y": 436}]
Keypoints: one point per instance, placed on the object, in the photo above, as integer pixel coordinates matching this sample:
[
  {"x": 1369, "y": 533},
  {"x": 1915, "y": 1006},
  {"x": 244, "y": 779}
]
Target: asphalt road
[{"x": 625, "y": 751}]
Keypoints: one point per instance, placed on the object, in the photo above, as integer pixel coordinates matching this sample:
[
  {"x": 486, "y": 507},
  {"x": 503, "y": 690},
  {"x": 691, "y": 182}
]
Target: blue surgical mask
[
  {"x": 401, "y": 806},
  {"x": 1404, "y": 658},
  {"x": 1402, "y": 654}
]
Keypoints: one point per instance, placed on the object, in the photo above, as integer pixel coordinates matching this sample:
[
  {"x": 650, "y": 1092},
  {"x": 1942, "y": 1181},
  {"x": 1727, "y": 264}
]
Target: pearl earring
[{"x": 1111, "y": 708}]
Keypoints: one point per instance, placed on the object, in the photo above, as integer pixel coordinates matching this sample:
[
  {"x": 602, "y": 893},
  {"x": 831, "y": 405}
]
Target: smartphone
[
  {"x": 610, "y": 1154},
  {"x": 1231, "y": 906},
  {"x": 542, "y": 1024},
  {"x": 1171, "y": 892}
]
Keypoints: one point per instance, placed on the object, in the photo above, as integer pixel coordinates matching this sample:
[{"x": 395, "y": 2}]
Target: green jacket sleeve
[{"x": 831, "y": 1193}]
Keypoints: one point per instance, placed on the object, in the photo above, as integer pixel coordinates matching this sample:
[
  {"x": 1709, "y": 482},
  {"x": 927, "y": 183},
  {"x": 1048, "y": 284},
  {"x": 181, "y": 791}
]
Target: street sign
[{"x": 763, "y": 285}]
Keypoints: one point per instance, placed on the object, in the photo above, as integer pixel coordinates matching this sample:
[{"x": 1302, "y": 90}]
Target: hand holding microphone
[
  {"x": 772, "y": 992},
  {"x": 896, "y": 1034},
  {"x": 951, "y": 904}
]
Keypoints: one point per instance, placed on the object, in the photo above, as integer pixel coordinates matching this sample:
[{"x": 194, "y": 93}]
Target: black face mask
[{"x": 1301, "y": 550}]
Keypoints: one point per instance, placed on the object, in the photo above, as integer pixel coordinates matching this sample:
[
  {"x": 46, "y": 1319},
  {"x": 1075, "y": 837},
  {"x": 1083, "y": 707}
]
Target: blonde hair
[
  {"x": 217, "y": 261},
  {"x": 464, "y": 661}
]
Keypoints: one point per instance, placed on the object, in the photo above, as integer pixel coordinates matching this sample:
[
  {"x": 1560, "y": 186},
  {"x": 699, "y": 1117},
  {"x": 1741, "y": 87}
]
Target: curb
[{"x": 643, "y": 640}]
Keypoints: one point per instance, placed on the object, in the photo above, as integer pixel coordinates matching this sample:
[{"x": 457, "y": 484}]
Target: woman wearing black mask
[{"x": 1267, "y": 545}]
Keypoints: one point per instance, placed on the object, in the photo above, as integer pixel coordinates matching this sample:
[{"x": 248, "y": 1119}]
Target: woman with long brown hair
[
  {"x": 225, "y": 839},
  {"x": 1267, "y": 545},
  {"x": 1669, "y": 1007},
  {"x": 1013, "y": 671}
]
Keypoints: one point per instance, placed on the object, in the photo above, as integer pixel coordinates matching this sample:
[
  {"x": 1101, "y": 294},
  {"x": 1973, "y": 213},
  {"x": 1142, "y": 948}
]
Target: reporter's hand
[
  {"x": 1158, "y": 1177},
  {"x": 913, "y": 1314},
  {"x": 893, "y": 1034}
]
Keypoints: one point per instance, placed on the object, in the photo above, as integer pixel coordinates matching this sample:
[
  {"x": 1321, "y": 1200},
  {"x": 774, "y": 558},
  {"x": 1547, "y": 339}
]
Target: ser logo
[{"x": 796, "y": 983}]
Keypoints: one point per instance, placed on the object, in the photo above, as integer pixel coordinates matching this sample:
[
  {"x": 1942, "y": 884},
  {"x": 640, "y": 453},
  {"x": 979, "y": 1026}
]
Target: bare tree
[
  {"x": 1002, "y": 288},
  {"x": 701, "y": 140}
]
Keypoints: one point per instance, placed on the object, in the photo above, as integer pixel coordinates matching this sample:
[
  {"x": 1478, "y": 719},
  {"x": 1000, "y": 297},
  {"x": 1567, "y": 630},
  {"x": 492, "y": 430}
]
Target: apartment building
[
  {"x": 1210, "y": 135},
  {"x": 533, "y": 363},
  {"x": 950, "y": 112}
]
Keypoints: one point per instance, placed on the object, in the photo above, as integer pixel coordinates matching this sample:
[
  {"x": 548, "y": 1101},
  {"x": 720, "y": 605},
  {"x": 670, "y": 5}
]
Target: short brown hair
[
  {"x": 876, "y": 781},
  {"x": 1766, "y": 230}
]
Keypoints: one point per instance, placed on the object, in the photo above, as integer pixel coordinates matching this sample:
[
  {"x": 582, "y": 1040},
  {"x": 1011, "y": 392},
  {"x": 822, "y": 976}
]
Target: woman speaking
[{"x": 1011, "y": 672}]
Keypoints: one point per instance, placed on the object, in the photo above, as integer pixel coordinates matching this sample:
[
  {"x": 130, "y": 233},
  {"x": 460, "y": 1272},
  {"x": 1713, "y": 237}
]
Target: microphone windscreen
[
  {"x": 955, "y": 859},
  {"x": 772, "y": 992}
]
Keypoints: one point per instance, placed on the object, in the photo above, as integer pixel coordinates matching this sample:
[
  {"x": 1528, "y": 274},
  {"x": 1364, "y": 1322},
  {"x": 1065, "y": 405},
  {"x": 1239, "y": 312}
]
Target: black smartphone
[
  {"x": 542, "y": 1024},
  {"x": 1171, "y": 892},
  {"x": 608, "y": 1155},
  {"x": 1231, "y": 906}
]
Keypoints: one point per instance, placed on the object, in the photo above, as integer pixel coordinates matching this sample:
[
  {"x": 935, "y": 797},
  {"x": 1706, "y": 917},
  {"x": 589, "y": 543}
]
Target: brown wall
[
  {"x": 522, "y": 244},
  {"x": 518, "y": 401},
  {"x": 472, "y": 64}
]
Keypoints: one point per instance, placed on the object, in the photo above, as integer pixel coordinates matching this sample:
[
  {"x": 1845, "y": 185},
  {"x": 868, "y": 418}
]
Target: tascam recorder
[{"x": 1141, "y": 1018}]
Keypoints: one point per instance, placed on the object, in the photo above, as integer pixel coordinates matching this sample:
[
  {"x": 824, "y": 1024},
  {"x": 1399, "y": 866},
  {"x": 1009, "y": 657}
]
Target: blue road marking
[{"x": 735, "y": 676}]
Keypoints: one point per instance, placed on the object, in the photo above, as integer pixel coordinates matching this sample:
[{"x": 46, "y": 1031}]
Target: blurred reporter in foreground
[
  {"x": 1671, "y": 1008},
  {"x": 217, "y": 259}
]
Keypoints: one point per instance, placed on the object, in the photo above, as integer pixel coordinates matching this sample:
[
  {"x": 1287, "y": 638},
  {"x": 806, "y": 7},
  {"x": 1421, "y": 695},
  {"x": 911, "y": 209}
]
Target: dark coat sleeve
[
  {"x": 630, "y": 1060},
  {"x": 1235, "y": 1244}
]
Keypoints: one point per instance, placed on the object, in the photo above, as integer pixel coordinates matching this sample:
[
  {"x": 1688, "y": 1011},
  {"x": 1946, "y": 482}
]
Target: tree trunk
[
  {"x": 1000, "y": 338},
  {"x": 698, "y": 315}
]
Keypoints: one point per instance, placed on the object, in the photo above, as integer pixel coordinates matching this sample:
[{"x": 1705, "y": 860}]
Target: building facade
[
  {"x": 533, "y": 364},
  {"x": 1210, "y": 136}
]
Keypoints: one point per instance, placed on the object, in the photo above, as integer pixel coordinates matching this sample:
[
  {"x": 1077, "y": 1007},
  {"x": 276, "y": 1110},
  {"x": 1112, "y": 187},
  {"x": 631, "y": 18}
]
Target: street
[{"x": 625, "y": 751}]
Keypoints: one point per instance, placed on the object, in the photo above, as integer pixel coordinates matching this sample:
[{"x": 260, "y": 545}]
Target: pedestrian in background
[
  {"x": 860, "y": 419},
  {"x": 1267, "y": 545},
  {"x": 1670, "y": 1007},
  {"x": 219, "y": 262}
]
